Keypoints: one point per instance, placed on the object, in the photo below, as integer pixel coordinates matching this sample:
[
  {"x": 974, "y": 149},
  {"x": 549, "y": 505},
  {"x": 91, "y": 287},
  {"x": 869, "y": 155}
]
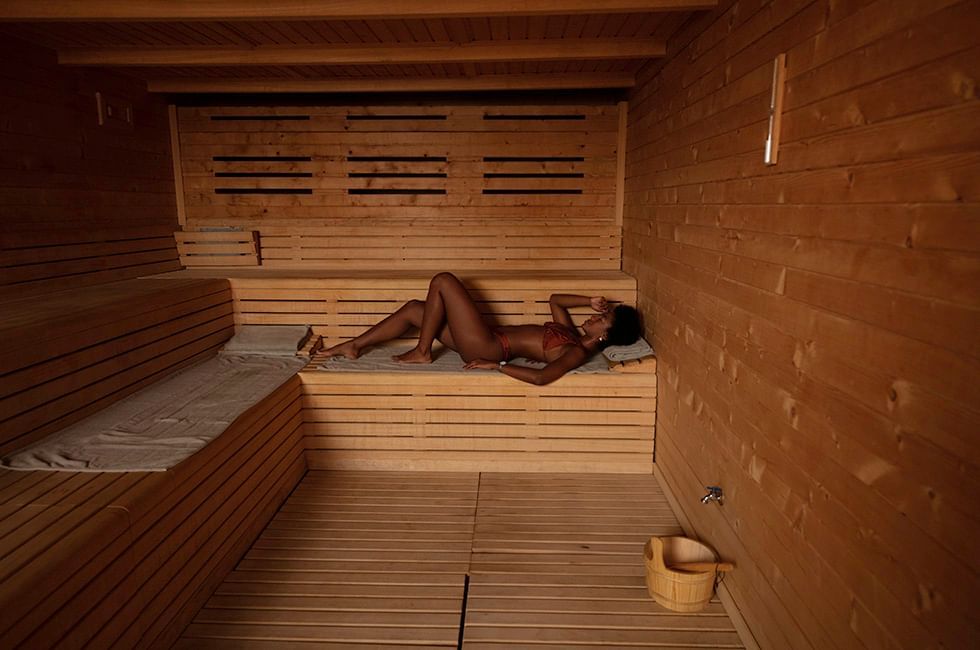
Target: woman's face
[{"x": 598, "y": 324}]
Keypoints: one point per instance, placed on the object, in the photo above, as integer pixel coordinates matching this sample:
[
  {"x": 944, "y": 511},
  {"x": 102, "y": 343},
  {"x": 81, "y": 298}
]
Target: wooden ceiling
[{"x": 190, "y": 46}]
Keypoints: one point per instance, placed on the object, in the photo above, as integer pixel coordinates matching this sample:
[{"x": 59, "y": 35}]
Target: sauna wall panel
[
  {"x": 816, "y": 320},
  {"x": 469, "y": 422},
  {"x": 66, "y": 355},
  {"x": 80, "y": 203},
  {"x": 412, "y": 187}
]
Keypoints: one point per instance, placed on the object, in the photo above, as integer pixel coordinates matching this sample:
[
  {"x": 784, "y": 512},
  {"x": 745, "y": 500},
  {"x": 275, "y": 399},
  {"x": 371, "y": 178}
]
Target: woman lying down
[{"x": 450, "y": 315}]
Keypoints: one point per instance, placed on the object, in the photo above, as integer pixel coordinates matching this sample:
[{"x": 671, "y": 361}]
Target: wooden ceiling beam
[
  {"x": 368, "y": 54},
  {"x": 419, "y": 84},
  {"x": 232, "y": 10}
]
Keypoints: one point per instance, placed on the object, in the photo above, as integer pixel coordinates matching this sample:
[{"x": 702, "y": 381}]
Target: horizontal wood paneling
[
  {"x": 816, "y": 320},
  {"x": 415, "y": 186},
  {"x": 554, "y": 23},
  {"x": 67, "y": 354},
  {"x": 80, "y": 204},
  {"x": 53, "y": 260},
  {"x": 127, "y": 558},
  {"x": 499, "y": 245},
  {"x": 342, "y": 304},
  {"x": 478, "y": 422},
  {"x": 221, "y": 248}
]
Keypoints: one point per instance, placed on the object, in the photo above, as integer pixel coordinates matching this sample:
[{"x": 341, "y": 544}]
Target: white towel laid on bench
[
  {"x": 619, "y": 353},
  {"x": 161, "y": 425},
  {"x": 444, "y": 361},
  {"x": 268, "y": 340}
]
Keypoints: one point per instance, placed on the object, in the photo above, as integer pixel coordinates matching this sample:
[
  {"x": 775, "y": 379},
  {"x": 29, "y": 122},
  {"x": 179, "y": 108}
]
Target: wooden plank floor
[
  {"x": 380, "y": 559},
  {"x": 372, "y": 558},
  {"x": 558, "y": 563}
]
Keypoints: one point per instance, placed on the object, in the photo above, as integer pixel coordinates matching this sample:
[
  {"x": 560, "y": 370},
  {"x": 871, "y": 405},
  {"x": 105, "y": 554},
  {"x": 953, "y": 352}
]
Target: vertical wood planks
[{"x": 178, "y": 171}]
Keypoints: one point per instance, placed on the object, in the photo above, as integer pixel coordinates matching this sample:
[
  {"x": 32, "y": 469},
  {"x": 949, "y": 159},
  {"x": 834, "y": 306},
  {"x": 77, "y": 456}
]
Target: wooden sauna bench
[
  {"x": 478, "y": 421},
  {"x": 67, "y": 354},
  {"x": 126, "y": 558},
  {"x": 459, "y": 422}
]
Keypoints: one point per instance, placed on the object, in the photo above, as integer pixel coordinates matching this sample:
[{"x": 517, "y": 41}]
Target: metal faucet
[{"x": 714, "y": 494}]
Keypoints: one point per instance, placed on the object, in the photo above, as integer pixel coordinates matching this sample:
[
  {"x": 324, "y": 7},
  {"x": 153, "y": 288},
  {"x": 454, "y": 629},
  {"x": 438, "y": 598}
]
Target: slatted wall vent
[
  {"x": 534, "y": 159},
  {"x": 368, "y": 191},
  {"x": 263, "y": 190},
  {"x": 260, "y": 118},
  {"x": 540, "y": 175},
  {"x": 396, "y": 159},
  {"x": 536, "y": 118},
  {"x": 403, "y": 118},
  {"x": 532, "y": 175},
  {"x": 396, "y": 175},
  {"x": 262, "y": 174},
  {"x": 531, "y": 190},
  {"x": 262, "y": 158}
]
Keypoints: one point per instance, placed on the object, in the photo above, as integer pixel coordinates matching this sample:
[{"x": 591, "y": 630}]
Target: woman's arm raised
[{"x": 560, "y": 302}]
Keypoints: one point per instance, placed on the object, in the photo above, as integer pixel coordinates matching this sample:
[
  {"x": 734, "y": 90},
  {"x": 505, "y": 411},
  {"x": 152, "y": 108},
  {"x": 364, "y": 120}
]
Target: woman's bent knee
[
  {"x": 443, "y": 278},
  {"x": 413, "y": 309}
]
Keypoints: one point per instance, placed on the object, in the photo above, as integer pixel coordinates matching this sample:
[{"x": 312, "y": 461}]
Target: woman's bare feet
[
  {"x": 413, "y": 356},
  {"x": 345, "y": 349}
]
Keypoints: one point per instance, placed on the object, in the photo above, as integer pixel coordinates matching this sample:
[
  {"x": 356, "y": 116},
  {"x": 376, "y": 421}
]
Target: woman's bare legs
[
  {"x": 405, "y": 318},
  {"x": 448, "y": 305}
]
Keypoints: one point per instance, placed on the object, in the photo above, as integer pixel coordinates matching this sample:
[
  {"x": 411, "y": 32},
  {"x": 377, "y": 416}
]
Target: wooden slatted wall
[
  {"x": 66, "y": 355},
  {"x": 479, "y": 422},
  {"x": 458, "y": 187},
  {"x": 816, "y": 321},
  {"x": 342, "y": 305},
  {"x": 80, "y": 203}
]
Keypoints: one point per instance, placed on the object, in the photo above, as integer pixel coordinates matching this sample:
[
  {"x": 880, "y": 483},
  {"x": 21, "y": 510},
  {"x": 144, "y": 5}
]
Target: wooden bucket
[{"x": 679, "y": 590}]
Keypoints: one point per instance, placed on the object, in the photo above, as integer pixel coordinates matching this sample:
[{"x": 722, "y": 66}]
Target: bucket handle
[
  {"x": 657, "y": 555},
  {"x": 702, "y": 566}
]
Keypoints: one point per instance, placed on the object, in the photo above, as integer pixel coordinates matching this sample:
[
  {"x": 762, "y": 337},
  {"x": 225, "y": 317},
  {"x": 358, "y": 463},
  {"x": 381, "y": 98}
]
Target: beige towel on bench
[
  {"x": 159, "y": 426},
  {"x": 445, "y": 361}
]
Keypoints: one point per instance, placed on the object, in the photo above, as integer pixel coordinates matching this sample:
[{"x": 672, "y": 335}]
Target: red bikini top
[{"x": 556, "y": 335}]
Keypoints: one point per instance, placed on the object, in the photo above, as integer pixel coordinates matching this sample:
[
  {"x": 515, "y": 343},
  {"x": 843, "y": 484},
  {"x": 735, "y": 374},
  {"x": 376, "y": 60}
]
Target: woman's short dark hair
[{"x": 626, "y": 326}]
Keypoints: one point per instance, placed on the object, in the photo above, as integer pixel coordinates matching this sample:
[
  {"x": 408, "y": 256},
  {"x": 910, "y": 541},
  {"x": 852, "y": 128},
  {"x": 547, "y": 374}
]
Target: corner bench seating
[
  {"x": 126, "y": 559},
  {"x": 460, "y": 422},
  {"x": 67, "y": 354}
]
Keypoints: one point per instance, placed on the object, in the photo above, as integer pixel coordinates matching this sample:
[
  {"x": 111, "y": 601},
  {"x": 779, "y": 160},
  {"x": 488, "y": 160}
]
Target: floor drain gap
[{"x": 462, "y": 615}]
